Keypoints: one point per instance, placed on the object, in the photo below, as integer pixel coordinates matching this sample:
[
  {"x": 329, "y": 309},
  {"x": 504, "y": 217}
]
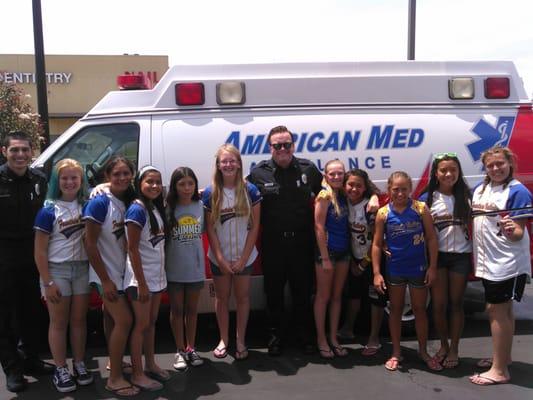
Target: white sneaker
[{"x": 180, "y": 363}]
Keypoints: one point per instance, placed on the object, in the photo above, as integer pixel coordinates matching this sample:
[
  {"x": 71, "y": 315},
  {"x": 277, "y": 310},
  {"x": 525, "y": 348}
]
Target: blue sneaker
[{"x": 63, "y": 380}]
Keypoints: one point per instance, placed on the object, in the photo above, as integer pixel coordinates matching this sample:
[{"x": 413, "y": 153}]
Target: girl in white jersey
[
  {"x": 185, "y": 263},
  {"x": 62, "y": 263},
  {"x": 106, "y": 247},
  {"x": 232, "y": 217},
  {"x": 145, "y": 276},
  {"x": 448, "y": 198},
  {"x": 501, "y": 254}
]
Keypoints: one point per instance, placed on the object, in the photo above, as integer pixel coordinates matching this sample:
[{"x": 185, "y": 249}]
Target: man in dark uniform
[
  {"x": 288, "y": 186},
  {"x": 22, "y": 192}
]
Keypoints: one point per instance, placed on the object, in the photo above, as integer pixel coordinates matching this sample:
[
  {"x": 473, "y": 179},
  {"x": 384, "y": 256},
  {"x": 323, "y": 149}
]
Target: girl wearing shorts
[
  {"x": 501, "y": 255},
  {"x": 145, "y": 277},
  {"x": 106, "y": 247},
  {"x": 448, "y": 198},
  {"x": 406, "y": 228},
  {"x": 185, "y": 263},
  {"x": 359, "y": 189},
  {"x": 62, "y": 263},
  {"x": 333, "y": 257},
  {"x": 232, "y": 217}
]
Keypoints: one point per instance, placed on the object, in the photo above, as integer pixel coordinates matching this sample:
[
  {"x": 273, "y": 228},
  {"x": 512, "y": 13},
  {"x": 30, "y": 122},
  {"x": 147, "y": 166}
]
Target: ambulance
[{"x": 379, "y": 116}]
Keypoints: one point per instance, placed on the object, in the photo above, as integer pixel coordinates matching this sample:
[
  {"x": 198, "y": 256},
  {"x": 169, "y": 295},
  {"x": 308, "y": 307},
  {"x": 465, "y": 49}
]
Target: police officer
[
  {"x": 288, "y": 186},
  {"x": 22, "y": 192}
]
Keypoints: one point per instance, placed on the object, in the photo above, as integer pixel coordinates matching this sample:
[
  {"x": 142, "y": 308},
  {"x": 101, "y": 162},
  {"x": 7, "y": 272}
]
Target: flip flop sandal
[
  {"x": 241, "y": 355},
  {"x": 393, "y": 363},
  {"x": 340, "y": 351},
  {"x": 121, "y": 391},
  {"x": 220, "y": 352},
  {"x": 154, "y": 386},
  {"x": 440, "y": 357},
  {"x": 326, "y": 354},
  {"x": 486, "y": 381},
  {"x": 159, "y": 376},
  {"x": 370, "y": 350},
  {"x": 433, "y": 364},
  {"x": 450, "y": 363}
]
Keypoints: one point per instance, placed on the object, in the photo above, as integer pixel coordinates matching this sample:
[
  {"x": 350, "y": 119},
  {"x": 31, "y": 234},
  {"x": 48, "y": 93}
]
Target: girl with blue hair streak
[{"x": 62, "y": 263}]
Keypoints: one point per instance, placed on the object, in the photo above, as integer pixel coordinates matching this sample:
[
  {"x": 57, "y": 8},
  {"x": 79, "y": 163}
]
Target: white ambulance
[{"x": 379, "y": 116}]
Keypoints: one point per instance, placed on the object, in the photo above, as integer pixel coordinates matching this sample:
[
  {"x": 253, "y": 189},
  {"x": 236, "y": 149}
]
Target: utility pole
[
  {"x": 40, "y": 71},
  {"x": 411, "y": 25}
]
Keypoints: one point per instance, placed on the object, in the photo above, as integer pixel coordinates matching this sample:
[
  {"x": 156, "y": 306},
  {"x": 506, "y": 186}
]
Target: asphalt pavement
[{"x": 297, "y": 376}]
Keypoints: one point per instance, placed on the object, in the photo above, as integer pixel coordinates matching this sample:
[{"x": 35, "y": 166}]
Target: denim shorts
[
  {"x": 416, "y": 282},
  {"x": 334, "y": 256},
  {"x": 71, "y": 277},
  {"x": 460, "y": 263},
  {"x": 215, "y": 270},
  {"x": 184, "y": 286}
]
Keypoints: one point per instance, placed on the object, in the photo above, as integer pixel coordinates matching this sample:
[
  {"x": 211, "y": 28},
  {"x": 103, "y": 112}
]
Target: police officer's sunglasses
[{"x": 278, "y": 146}]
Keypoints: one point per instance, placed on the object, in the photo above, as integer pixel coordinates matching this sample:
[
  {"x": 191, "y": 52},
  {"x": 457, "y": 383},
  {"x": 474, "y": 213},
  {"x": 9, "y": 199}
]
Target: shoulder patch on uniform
[
  {"x": 383, "y": 212},
  {"x": 324, "y": 195},
  {"x": 418, "y": 206}
]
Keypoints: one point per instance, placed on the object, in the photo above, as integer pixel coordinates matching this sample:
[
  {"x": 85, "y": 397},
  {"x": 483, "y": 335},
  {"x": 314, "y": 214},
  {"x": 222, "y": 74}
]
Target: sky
[{"x": 249, "y": 31}]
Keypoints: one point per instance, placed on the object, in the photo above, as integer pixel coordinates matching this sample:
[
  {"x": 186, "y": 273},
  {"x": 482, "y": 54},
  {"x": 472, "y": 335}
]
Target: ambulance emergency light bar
[{"x": 494, "y": 87}]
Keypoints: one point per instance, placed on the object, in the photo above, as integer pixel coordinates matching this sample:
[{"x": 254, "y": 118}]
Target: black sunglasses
[{"x": 278, "y": 146}]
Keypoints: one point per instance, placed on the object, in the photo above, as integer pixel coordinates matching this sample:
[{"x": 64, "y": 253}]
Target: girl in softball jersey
[
  {"x": 501, "y": 255},
  {"x": 62, "y": 263},
  {"x": 145, "y": 277}
]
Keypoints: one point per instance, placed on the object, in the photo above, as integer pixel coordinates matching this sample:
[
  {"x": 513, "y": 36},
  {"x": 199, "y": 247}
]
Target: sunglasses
[
  {"x": 440, "y": 156},
  {"x": 278, "y": 146}
]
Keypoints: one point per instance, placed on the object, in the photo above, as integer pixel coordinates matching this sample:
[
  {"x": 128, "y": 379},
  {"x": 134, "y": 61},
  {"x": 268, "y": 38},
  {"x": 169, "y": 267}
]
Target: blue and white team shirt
[
  {"x": 151, "y": 249},
  {"x": 231, "y": 229},
  {"x": 108, "y": 211},
  {"x": 452, "y": 233},
  {"x": 62, "y": 220},
  {"x": 360, "y": 223},
  {"x": 497, "y": 258},
  {"x": 404, "y": 235}
]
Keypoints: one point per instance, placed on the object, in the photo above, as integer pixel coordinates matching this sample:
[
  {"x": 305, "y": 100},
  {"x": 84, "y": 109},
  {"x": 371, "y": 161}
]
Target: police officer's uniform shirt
[
  {"x": 451, "y": 232},
  {"x": 151, "y": 249},
  {"x": 108, "y": 211},
  {"x": 62, "y": 221},
  {"x": 497, "y": 258},
  {"x": 231, "y": 229},
  {"x": 185, "y": 260},
  {"x": 287, "y": 195},
  {"x": 359, "y": 223},
  {"x": 404, "y": 235}
]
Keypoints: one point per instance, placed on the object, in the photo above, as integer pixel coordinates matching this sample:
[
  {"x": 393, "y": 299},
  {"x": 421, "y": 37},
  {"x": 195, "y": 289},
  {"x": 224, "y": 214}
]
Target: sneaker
[
  {"x": 194, "y": 358},
  {"x": 179, "y": 361},
  {"x": 82, "y": 376},
  {"x": 63, "y": 380}
]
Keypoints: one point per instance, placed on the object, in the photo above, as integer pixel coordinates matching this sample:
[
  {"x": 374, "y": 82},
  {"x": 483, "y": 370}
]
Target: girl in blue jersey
[
  {"x": 106, "y": 247},
  {"x": 185, "y": 263},
  {"x": 501, "y": 255},
  {"x": 232, "y": 217},
  {"x": 145, "y": 277},
  {"x": 62, "y": 263},
  {"x": 448, "y": 198},
  {"x": 405, "y": 227},
  {"x": 333, "y": 256}
]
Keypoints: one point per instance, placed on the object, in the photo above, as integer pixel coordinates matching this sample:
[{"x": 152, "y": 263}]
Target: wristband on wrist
[{"x": 48, "y": 284}]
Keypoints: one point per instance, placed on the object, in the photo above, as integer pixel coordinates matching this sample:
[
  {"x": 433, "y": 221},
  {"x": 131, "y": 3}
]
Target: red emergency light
[
  {"x": 190, "y": 94},
  {"x": 497, "y": 88},
  {"x": 133, "y": 82}
]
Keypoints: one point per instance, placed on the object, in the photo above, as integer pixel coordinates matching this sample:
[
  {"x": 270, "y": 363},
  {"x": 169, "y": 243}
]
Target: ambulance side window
[{"x": 94, "y": 145}]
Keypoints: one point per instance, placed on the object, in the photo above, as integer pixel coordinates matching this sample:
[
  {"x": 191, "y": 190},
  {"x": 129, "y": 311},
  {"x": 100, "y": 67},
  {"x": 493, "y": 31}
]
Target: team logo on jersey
[
  {"x": 118, "y": 229},
  {"x": 227, "y": 214},
  {"x": 445, "y": 221},
  {"x": 490, "y": 136},
  {"x": 154, "y": 240},
  {"x": 68, "y": 227},
  {"x": 357, "y": 228},
  {"x": 187, "y": 229}
]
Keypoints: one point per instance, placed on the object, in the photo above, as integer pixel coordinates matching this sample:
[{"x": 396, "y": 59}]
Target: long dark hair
[
  {"x": 150, "y": 204},
  {"x": 129, "y": 195},
  {"x": 460, "y": 190},
  {"x": 172, "y": 195},
  {"x": 370, "y": 188}
]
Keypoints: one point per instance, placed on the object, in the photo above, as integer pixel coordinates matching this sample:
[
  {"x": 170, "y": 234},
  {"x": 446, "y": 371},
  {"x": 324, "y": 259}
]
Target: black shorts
[
  {"x": 497, "y": 292},
  {"x": 460, "y": 263},
  {"x": 361, "y": 286}
]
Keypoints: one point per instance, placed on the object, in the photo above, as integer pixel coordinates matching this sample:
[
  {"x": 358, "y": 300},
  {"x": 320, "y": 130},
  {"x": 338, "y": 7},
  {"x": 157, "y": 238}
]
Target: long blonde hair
[
  {"x": 242, "y": 203},
  {"x": 331, "y": 194}
]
